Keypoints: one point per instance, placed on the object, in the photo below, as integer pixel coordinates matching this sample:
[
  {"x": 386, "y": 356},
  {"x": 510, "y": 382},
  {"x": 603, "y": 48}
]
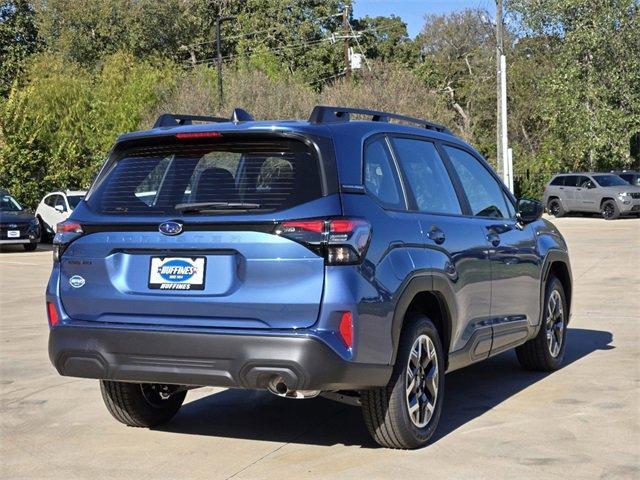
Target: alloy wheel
[
  {"x": 554, "y": 208},
  {"x": 555, "y": 323},
  {"x": 421, "y": 383},
  {"x": 607, "y": 210}
]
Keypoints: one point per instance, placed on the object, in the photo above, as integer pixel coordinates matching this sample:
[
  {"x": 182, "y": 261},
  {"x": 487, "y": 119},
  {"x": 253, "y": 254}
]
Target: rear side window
[
  {"x": 427, "y": 176},
  {"x": 223, "y": 177},
  {"x": 380, "y": 178},
  {"x": 571, "y": 180},
  {"x": 558, "y": 181},
  {"x": 485, "y": 194}
]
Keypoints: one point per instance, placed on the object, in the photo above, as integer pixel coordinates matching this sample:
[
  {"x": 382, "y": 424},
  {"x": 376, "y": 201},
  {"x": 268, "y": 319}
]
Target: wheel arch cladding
[
  {"x": 605, "y": 199},
  {"x": 432, "y": 305},
  {"x": 560, "y": 270},
  {"x": 421, "y": 297}
]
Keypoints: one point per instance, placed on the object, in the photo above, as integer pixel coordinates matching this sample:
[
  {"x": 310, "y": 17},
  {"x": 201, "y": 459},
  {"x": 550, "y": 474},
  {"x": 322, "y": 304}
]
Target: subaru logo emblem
[
  {"x": 76, "y": 281},
  {"x": 170, "y": 228}
]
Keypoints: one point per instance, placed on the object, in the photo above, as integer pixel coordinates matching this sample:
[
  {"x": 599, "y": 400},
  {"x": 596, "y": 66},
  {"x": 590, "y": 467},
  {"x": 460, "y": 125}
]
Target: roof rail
[
  {"x": 331, "y": 114},
  {"x": 176, "y": 119}
]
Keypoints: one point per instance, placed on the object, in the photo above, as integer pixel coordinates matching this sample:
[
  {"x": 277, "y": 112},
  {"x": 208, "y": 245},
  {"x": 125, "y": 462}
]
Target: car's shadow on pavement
[{"x": 470, "y": 392}]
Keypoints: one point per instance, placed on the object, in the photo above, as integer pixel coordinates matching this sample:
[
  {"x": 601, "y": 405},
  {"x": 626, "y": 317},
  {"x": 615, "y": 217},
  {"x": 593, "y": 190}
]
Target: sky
[{"x": 413, "y": 11}]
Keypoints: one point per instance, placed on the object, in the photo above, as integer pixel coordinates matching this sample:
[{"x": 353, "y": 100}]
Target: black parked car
[{"x": 17, "y": 224}]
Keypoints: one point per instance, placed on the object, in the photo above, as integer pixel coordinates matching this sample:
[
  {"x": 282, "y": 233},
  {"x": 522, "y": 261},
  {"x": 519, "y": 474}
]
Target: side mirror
[
  {"x": 528, "y": 210},
  {"x": 590, "y": 185},
  {"x": 59, "y": 208}
]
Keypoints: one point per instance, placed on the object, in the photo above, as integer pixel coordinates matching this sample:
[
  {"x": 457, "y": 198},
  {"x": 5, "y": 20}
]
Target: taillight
[
  {"x": 341, "y": 241},
  {"x": 66, "y": 232},
  {"x": 52, "y": 314},
  {"x": 68, "y": 226}
]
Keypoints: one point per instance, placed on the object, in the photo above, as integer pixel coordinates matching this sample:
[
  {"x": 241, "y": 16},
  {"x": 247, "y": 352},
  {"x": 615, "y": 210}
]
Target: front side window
[
  {"x": 483, "y": 191},
  {"x": 380, "y": 179},
  {"x": 427, "y": 176},
  {"x": 223, "y": 177}
]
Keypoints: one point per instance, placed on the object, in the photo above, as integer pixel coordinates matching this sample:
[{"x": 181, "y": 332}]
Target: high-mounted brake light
[
  {"x": 52, "y": 314},
  {"x": 191, "y": 135},
  {"x": 342, "y": 241},
  {"x": 346, "y": 328}
]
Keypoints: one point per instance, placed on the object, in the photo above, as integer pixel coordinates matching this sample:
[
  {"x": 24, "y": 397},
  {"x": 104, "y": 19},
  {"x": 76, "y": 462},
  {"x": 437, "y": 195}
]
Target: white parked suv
[{"x": 56, "y": 207}]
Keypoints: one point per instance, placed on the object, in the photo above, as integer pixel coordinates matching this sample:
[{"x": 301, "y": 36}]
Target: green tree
[
  {"x": 18, "y": 40},
  {"x": 58, "y": 128},
  {"x": 591, "y": 98}
]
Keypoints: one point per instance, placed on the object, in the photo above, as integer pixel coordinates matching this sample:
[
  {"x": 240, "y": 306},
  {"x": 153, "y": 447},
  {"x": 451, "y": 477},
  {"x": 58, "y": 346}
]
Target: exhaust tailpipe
[{"x": 278, "y": 387}]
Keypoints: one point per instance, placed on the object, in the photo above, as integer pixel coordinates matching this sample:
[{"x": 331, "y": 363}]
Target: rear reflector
[
  {"x": 346, "y": 329},
  {"x": 189, "y": 135},
  {"x": 52, "y": 313}
]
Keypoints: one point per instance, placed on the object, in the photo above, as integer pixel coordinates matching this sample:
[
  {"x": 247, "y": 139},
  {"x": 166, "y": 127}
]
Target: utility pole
[
  {"x": 219, "y": 61},
  {"x": 345, "y": 42},
  {"x": 501, "y": 80}
]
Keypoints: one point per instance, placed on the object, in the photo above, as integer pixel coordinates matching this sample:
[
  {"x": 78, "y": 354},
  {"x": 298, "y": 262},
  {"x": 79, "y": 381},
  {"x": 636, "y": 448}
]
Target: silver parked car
[{"x": 603, "y": 193}]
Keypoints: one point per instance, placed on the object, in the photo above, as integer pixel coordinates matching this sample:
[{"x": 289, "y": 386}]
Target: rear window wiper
[{"x": 215, "y": 206}]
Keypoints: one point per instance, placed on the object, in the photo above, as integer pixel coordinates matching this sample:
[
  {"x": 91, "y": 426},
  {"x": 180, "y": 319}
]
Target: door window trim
[
  {"x": 413, "y": 204},
  {"x": 508, "y": 196},
  {"x": 404, "y": 207}
]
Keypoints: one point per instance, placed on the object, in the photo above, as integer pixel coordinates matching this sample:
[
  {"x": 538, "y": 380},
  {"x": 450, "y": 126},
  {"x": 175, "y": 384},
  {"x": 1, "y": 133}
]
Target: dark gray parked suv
[{"x": 603, "y": 193}]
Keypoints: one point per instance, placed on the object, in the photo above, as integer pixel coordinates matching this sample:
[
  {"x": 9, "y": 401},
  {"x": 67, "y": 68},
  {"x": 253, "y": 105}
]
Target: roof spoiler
[{"x": 177, "y": 120}]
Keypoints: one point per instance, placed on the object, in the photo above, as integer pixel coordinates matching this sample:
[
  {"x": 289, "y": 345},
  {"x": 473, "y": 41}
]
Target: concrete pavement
[{"x": 498, "y": 421}]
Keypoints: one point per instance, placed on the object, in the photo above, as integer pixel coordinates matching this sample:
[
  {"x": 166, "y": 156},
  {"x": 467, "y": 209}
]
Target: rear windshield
[{"x": 216, "y": 177}]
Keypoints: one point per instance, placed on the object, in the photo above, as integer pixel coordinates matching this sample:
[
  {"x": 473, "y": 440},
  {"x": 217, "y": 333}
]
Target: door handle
[
  {"x": 493, "y": 238},
  {"x": 436, "y": 235}
]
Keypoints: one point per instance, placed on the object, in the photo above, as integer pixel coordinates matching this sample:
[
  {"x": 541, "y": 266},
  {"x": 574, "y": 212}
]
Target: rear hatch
[{"x": 180, "y": 231}]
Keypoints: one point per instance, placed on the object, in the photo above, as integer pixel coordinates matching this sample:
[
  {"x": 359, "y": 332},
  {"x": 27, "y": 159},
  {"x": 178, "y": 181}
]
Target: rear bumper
[
  {"x": 17, "y": 241},
  {"x": 206, "y": 359}
]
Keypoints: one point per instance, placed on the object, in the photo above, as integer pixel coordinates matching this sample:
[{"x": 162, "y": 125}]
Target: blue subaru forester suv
[{"x": 356, "y": 259}]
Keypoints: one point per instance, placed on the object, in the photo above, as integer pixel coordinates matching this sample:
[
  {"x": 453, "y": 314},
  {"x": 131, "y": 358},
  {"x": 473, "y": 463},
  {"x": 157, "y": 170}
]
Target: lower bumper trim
[{"x": 207, "y": 359}]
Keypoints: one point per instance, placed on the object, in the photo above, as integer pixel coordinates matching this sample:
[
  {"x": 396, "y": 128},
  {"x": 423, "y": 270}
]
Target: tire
[
  {"x": 542, "y": 353},
  {"x": 139, "y": 404},
  {"x": 386, "y": 410},
  {"x": 30, "y": 247},
  {"x": 609, "y": 210},
  {"x": 45, "y": 235},
  {"x": 555, "y": 208}
]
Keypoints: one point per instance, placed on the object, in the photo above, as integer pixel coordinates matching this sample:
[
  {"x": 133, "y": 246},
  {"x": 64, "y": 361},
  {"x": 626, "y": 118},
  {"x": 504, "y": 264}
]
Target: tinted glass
[
  {"x": 571, "y": 180},
  {"x": 263, "y": 175},
  {"x": 74, "y": 200},
  {"x": 558, "y": 181},
  {"x": 380, "y": 179},
  {"x": 60, "y": 202},
  {"x": 585, "y": 182},
  {"x": 50, "y": 200},
  {"x": 609, "y": 180},
  {"x": 427, "y": 176},
  {"x": 483, "y": 190},
  {"x": 9, "y": 204}
]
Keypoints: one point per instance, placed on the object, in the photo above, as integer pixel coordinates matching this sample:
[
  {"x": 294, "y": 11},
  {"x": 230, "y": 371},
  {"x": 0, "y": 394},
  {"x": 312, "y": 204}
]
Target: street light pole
[
  {"x": 219, "y": 62},
  {"x": 501, "y": 80}
]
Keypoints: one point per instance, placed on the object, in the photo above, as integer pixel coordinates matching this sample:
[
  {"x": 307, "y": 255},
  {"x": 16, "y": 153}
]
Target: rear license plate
[
  {"x": 177, "y": 273},
  {"x": 13, "y": 234}
]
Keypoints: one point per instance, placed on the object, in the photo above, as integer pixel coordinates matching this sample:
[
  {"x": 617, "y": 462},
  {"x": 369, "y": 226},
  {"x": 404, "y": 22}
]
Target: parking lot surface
[{"x": 499, "y": 421}]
